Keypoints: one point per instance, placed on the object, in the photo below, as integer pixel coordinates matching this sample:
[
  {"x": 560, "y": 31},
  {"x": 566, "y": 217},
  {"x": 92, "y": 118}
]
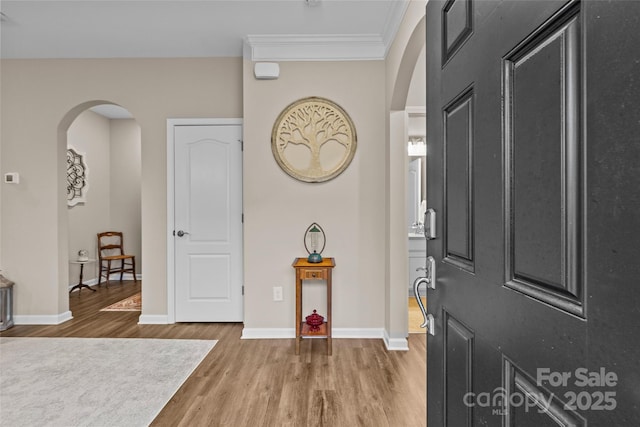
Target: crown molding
[
  {"x": 314, "y": 47},
  {"x": 391, "y": 26},
  {"x": 338, "y": 47}
]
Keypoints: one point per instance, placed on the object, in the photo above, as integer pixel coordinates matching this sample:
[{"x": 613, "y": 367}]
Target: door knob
[{"x": 181, "y": 233}]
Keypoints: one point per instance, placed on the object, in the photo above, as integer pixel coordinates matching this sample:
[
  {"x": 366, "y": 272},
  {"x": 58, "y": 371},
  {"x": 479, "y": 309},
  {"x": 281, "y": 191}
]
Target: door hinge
[
  {"x": 242, "y": 289},
  {"x": 243, "y": 218},
  {"x": 241, "y": 144}
]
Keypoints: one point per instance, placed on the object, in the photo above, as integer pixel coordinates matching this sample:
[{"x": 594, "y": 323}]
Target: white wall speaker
[{"x": 266, "y": 70}]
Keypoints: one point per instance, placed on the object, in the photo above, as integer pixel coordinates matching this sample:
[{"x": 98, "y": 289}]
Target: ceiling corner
[{"x": 394, "y": 19}]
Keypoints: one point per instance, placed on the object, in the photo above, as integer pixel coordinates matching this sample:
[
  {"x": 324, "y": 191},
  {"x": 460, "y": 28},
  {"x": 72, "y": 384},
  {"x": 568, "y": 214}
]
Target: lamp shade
[{"x": 314, "y": 242}]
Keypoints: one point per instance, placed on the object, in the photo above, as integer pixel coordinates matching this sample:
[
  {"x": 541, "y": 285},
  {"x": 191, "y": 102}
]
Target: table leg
[
  {"x": 329, "y": 313},
  {"x": 298, "y": 310},
  {"x": 81, "y": 285}
]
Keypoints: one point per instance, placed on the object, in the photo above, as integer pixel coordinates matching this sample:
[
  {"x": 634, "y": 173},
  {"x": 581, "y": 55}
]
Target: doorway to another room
[
  {"x": 416, "y": 198},
  {"x": 103, "y": 194}
]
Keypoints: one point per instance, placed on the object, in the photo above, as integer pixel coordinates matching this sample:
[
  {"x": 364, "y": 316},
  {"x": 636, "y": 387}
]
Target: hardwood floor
[{"x": 262, "y": 382}]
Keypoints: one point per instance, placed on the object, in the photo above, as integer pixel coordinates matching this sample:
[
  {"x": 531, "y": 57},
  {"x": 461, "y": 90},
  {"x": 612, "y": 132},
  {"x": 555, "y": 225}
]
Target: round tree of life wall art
[{"x": 313, "y": 140}]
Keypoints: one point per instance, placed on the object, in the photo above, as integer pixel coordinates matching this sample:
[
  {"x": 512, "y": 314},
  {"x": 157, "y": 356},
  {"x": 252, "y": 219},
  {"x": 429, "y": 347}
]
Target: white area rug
[{"x": 67, "y": 382}]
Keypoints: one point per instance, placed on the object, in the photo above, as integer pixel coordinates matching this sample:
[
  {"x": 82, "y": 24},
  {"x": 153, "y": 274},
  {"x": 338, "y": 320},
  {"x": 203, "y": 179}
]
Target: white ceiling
[
  {"x": 112, "y": 111},
  {"x": 191, "y": 28}
]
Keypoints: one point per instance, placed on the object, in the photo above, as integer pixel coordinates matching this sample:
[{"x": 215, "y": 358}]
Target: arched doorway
[
  {"x": 105, "y": 139},
  {"x": 397, "y": 282}
]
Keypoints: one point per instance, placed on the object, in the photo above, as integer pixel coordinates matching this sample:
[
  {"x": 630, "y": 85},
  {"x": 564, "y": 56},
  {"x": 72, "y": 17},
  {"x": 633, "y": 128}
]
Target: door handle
[
  {"x": 429, "y": 280},
  {"x": 181, "y": 233}
]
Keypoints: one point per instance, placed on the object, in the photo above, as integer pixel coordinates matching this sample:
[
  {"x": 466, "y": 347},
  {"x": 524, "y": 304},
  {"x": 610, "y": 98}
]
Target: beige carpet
[
  {"x": 133, "y": 303},
  {"x": 415, "y": 316}
]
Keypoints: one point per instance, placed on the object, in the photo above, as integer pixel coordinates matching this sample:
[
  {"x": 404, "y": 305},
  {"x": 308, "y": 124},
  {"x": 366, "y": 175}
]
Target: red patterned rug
[{"x": 133, "y": 303}]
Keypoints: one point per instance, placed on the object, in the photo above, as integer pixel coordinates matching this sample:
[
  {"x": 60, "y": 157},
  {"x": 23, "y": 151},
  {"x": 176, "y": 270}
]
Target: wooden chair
[{"x": 111, "y": 257}]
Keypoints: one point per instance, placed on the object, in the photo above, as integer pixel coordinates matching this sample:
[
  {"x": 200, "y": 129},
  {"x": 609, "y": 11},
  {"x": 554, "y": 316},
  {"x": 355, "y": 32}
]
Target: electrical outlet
[{"x": 277, "y": 293}]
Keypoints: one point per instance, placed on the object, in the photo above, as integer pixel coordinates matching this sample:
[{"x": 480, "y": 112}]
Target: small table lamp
[{"x": 314, "y": 238}]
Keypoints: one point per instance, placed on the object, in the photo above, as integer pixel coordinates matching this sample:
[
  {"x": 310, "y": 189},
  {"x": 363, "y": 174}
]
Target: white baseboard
[
  {"x": 126, "y": 276},
  {"x": 85, "y": 282},
  {"x": 267, "y": 333},
  {"x": 358, "y": 333},
  {"x": 395, "y": 344},
  {"x": 281, "y": 333},
  {"x": 114, "y": 277},
  {"x": 153, "y": 319},
  {"x": 54, "y": 319}
]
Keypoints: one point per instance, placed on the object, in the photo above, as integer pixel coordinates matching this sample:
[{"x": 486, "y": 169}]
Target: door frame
[{"x": 171, "y": 256}]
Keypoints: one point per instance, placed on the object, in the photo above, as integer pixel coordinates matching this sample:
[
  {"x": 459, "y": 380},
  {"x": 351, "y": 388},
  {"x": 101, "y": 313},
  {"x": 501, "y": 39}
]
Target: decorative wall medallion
[
  {"x": 313, "y": 140},
  {"x": 77, "y": 172}
]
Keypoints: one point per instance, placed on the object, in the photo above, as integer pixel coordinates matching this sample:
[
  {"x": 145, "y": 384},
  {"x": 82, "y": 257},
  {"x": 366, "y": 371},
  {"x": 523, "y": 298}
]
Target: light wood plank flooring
[{"x": 262, "y": 382}]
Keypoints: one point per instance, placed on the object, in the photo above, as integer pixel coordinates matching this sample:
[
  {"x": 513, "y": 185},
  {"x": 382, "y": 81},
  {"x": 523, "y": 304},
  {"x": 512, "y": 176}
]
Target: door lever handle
[
  {"x": 429, "y": 281},
  {"x": 416, "y": 293},
  {"x": 181, "y": 233},
  {"x": 429, "y": 321}
]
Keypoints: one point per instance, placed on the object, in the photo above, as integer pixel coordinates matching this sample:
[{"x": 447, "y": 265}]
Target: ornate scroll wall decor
[
  {"x": 313, "y": 140},
  {"x": 77, "y": 172}
]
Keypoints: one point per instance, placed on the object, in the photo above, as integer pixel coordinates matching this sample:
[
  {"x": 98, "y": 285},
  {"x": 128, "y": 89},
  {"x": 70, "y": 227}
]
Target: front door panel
[
  {"x": 534, "y": 177},
  {"x": 542, "y": 163}
]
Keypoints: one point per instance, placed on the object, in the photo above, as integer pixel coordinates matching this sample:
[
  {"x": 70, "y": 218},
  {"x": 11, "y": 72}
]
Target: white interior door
[{"x": 208, "y": 223}]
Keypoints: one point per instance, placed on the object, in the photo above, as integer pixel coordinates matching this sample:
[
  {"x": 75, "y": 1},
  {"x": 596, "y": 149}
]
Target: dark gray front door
[{"x": 533, "y": 122}]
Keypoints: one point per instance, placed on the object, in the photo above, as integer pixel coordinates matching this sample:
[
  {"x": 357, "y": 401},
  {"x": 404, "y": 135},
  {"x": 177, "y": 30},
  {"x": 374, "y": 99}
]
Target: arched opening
[
  {"x": 416, "y": 187},
  {"x": 398, "y": 233},
  {"x": 102, "y": 142}
]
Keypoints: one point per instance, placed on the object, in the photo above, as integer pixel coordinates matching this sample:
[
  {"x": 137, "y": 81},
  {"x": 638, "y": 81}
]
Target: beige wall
[
  {"x": 403, "y": 55},
  {"x": 125, "y": 177},
  {"x": 400, "y": 65},
  {"x": 89, "y": 135},
  {"x": 111, "y": 152},
  {"x": 38, "y": 97},
  {"x": 350, "y": 208},
  {"x": 417, "y": 96},
  {"x": 42, "y": 97}
]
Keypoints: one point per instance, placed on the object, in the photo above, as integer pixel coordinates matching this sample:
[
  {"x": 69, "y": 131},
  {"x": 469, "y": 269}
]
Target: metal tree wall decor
[
  {"x": 76, "y": 178},
  {"x": 313, "y": 140}
]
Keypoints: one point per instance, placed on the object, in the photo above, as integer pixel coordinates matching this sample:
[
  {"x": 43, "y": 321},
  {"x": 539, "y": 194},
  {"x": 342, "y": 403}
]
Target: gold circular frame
[{"x": 313, "y": 140}]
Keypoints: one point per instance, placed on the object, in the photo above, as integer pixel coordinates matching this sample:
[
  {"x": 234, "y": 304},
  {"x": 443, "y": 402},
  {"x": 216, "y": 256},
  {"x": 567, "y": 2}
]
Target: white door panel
[{"x": 208, "y": 209}]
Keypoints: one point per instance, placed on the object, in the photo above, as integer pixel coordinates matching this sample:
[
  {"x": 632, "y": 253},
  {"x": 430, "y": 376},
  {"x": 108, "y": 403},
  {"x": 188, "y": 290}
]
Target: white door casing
[
  {"x": 414, "y": 179},
  {"x": 206, "y": 225}
]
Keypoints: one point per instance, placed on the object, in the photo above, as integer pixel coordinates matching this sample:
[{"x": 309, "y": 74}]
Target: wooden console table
[{"x": 313, "y": 271}]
